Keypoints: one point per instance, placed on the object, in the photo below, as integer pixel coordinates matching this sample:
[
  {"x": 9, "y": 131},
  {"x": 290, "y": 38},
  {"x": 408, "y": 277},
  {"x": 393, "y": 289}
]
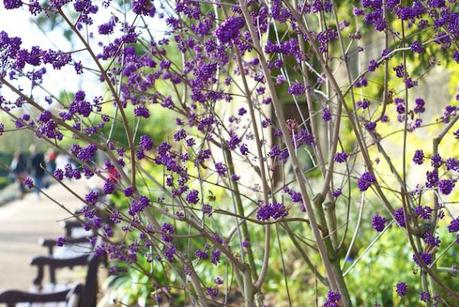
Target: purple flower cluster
[
  {"x": 401, "y": 288},
  {"x": 418, "y": 157},
  {"x": 220, "y": 168},
  {"x": 365, "y": 181},
  {"x": 193, "y": 197},
  {"x": 423, "y": 212},
  {"x": 326, "y": 114},
  {"x": 138, "y": 205},
  {"x": 201, "y": 254},
  {"x": 229, "y": 29},
  {"x": 425, "y": 257},
  {"x": 446, "y": 186},
  {"x": 12, "y": 4},
  {"x": 333, "y": 299},
  {"x": 144, "y": 7},
  {"x": 454, "y": 225},
  {"x": 296, "y": 89},
  {"x": 272, "y": 211},
  {"x": 378, "y": 222},
  {"x": 340, "y": 157},
  {"x": 146, "y": 143}
]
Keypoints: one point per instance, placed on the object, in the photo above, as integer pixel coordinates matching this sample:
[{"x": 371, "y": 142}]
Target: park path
[{"x": 23, "y": 223}]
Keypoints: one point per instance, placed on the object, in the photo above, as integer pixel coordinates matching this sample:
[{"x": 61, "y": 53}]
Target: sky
[{"x": 18, "y": 22}]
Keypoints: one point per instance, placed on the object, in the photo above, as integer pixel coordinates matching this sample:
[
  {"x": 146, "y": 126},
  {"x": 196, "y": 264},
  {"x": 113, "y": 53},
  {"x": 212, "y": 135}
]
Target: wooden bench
[
  {"x": 71, "y": 297},
  {"x": 53, "y": 292}
]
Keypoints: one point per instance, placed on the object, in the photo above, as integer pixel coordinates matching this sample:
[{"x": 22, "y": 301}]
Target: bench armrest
[
  {"x": 55, "y": 263},
  {"x": 58, "y": 262}
]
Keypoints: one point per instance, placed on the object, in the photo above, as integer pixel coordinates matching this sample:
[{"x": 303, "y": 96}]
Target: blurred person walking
[
  {"x": 37, "y": 168},
  {"x": 51, "y": 156},
  {"x": 18, "y": 167}
]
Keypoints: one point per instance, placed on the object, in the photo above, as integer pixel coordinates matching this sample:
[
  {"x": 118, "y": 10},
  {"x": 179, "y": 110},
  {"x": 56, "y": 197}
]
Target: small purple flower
[
  {"x": 141, "y": 111},
  {"x": 218, "y": 280},
  {"x": 418, "y": 157},
  {"x": 128, "y": 191},
  {"x": 423, "y": 212},
  {"x": 169, "y": 252},
  {"x": 371, "y": 126},
  {"x": 212, "y": 292},
  {"x": 456, "y": 56},
  {"x": 454, "y": 225},
  {"x": 425, "y": 256},
  {"x": 215, "y": 258},
  {"x": 326, "y": 114},
  {"x": 363, "y": 104},
  {"x": 341, "y": 157},
  {"x": 59, "y": 174},
  {"x": 233, "y": 141},
  {"x": 12, "y": 4},
  {"x": 296, "y": 197},
  {"x": 193, "y": 197},
  {"x": 244, "y": 149},
  {"x": 436, "y": 161},
  {"x": 410, "y": 83},
  {"x": 201, "y": 254},
  {"x": 401, "y": 288},
  {"x": 455, "y": 133},
  {"x": 417, "y": 47},
  {"x": 167, "y": 228},
  {"x": 378, "y": 222},
  {"x": 229, "y": 29},
  {"x": 424, "y": 296},
  {"x": 180, "y": 135},
  {"x": 107, "y": 28},
  {"x": 365, "y": 181},
  {"x": 372, "y": 65},
  {"x": 271, "y": 210},
  {"x": 432, "y": 179},
  {"x": 28, "y": 182},
  {"x": 60, "y": 241},
  {"x": 399, "y": 216},
  {"x": 452, "y": 164},
  {"x": 296, "y": 89},
  {"x": 109, "y": 187},
  {"x": 143, "y": 7},
  {"x": 146, "y": 143},
  {"x": 337, "y": 193},
  {"x": 220, "y": 168},
  {"x": 242, "y": 111},
  {"x": 419, "y": 108},
  {"x": 446, "y": 186},
  {"x": 399, "y": 71},
  {"x": 190, "y": 142},
  {"x": 431, "y": 240},
  {"x": 92, "y": 197},
  {"x": 332, "y": 299}
]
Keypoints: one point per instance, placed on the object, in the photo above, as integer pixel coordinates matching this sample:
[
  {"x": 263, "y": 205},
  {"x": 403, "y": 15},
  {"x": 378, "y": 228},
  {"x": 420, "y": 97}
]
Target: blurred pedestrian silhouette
[
  {"x": 19, "y": 169},
  {"x": 37, "y": 168},
  {"x": 51, "y": 156}
]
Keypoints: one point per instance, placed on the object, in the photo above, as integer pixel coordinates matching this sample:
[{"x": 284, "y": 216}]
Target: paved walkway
[{"x": 23, "y": 223}]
